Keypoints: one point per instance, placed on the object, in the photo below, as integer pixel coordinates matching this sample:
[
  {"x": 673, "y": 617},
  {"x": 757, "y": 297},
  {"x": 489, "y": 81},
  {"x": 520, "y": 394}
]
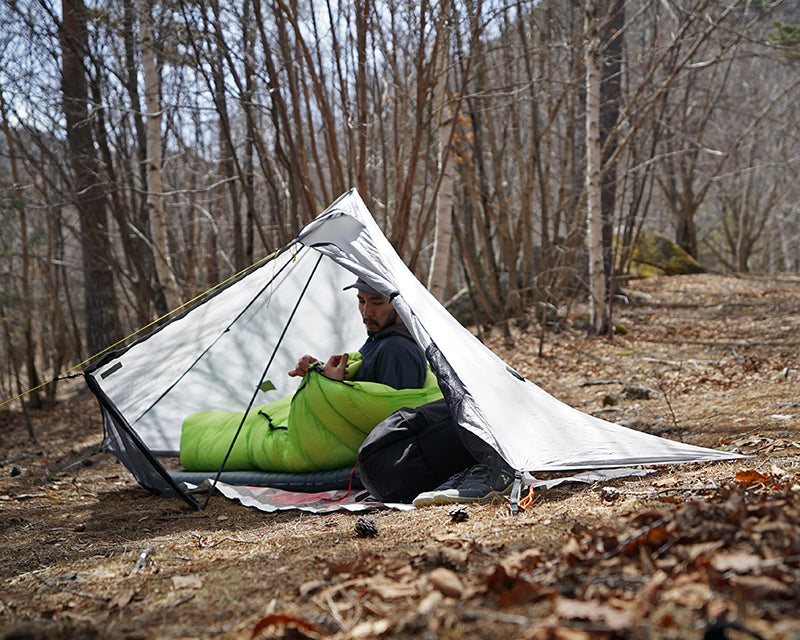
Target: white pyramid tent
[{"x": 216, "y": 356}]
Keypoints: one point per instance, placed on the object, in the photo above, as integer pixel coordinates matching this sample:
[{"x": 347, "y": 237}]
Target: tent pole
[{"x": 258, "y": 385}]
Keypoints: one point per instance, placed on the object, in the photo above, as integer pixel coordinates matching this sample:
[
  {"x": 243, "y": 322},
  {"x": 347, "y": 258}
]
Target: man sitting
[
  {"x": 390, "y": 355},
  {"x": 321, "y": 425}
]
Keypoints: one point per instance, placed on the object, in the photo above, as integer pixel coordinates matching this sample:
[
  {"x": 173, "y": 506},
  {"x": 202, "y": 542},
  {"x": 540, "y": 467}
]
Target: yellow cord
[{"x": 138, "y": 331}]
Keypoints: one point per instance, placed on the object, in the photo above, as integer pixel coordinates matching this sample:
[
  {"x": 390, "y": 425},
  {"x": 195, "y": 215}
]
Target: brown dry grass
[{"x": 87, "y": 553}]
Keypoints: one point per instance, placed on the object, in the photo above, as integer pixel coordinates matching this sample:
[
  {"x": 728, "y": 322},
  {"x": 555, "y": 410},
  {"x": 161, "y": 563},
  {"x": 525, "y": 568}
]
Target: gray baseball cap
[{"x": 363, "y": 286}]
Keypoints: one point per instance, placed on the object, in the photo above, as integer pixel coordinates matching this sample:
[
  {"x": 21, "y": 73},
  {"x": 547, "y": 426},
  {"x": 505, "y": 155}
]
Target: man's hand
[
  {"x": 302, "y": 366},
  {"x": 336, "y": 367}
]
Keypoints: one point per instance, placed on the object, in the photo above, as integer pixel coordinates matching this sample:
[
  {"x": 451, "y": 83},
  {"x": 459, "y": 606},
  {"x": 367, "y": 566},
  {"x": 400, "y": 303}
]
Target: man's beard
[{"x": 392, "y": 319}]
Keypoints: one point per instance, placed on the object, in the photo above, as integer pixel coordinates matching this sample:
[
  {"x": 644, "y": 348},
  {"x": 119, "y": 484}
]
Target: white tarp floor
[{"x": 270, "y": 499}]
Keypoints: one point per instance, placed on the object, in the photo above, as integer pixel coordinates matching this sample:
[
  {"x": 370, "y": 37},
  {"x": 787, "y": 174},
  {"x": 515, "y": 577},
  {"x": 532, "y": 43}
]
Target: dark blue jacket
[{"x": 392, "y": 357}]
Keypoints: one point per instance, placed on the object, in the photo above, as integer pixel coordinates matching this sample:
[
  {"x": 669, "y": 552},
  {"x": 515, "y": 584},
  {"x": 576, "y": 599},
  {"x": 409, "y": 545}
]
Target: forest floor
[{"x": 709, "y": 360}]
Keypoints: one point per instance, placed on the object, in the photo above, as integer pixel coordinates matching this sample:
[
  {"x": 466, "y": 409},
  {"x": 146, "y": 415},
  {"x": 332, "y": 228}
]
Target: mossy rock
[{"x": 655, "y": 255}]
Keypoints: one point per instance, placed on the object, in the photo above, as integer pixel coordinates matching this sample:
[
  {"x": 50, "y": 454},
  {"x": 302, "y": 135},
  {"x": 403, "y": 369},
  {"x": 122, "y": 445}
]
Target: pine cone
[
  {"x": 609, "y": 494},
  {"x": 366, "y": 528},
  {"x": 458, "y": 514}
]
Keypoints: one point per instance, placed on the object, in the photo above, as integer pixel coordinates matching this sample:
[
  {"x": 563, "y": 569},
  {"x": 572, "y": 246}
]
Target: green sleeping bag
[{"x": 319, "y": 428}]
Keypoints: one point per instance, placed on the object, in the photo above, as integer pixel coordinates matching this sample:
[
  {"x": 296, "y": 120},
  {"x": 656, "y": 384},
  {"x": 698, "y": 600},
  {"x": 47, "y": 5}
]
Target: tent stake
[{"x": 516, "y": 491}]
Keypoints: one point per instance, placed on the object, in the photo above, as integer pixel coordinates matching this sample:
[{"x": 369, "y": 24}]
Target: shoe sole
[
  {"x": 424, "y": 500},
  {"x": 442, "y": 497}
]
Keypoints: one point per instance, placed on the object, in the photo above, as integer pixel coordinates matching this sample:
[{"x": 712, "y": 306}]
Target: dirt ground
[{"x": 690, "y": 551}]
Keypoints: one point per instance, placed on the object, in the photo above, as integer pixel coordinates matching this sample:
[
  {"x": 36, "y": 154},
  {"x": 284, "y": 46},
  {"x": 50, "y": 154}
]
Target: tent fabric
[
  {"x": 319, "y": 428},
  {"x": 530, "y": 429},
  {"x": 232, "y": 352},
  {"x": 211, "y": 358}
]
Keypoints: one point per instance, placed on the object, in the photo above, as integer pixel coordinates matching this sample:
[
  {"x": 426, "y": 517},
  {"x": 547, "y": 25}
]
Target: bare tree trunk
[
  {"x": 12, "y": 356},
  {"x": 60, "y": 341},
  {"x": 228, "y": 162},
  {"x": 536, "y": 171},
  {"x": 231, "y": 169},
  {"x": 789, "y": 261},
  {"x": 613, "y": 18},
  {"x": 301, "y": 200},
  {"x": 135, "y": 230},
  {"x": 34, "y": 398},
  {"x": 362, "y": 11},
  {"x": 443, "y": 231},
  {"x": 594, "y": 207},
  {"x": 101, "y": 324},
  {"x": 247, "y": 97},
  {"x": 438, "y": 276},
  {"x": 317, "y": 83},
  {"x": 155, "y": 191},
  {"x": 477, "y": 161},
  {"x": 405, "y": 185}
]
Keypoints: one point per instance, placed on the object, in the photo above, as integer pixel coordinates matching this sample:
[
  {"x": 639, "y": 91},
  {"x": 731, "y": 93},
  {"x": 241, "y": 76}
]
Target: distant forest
[{"x": 513, "y": 152}]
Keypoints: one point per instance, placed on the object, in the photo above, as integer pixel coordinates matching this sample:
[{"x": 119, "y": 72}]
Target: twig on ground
[
  {"x": 55, "y": 587},
  {"x": 660, "y": 492},
  {"x": 141, "y": 561},
  {"x": 334, "y": 611},
  {"x": 489, "y": 614},
  {"x": 72, "y": 465},
  {"x": 767, "y": 564},
  {"x": 663, "y": 390},
  {"x": 211, "y": 545},
  {"x": 167, "y": 518}
]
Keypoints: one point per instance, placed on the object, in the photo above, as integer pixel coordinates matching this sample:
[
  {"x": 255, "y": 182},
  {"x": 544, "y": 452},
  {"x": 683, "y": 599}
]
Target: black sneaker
[{"x": 476, "y": 484}]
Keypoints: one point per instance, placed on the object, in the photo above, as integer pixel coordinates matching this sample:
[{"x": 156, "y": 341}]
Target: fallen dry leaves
[
  {"x": 626, "y": 578},
  {"x": 683, "y": 552}
]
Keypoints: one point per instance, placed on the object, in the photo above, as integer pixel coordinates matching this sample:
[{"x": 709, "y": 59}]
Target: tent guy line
[{"x": 95, "y": 360}]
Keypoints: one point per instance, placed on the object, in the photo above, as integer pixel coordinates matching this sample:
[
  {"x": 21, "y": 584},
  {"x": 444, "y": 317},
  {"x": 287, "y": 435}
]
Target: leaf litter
[{"x": 689, "y": 551}]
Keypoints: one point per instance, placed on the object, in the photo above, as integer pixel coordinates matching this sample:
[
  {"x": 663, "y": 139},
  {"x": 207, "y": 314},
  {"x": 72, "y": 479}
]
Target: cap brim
[{"x": 363, "y": 286}]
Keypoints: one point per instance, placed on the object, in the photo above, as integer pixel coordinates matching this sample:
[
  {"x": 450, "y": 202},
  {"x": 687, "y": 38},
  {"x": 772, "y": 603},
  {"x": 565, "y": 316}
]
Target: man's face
[{"x": 376, "y": 311}]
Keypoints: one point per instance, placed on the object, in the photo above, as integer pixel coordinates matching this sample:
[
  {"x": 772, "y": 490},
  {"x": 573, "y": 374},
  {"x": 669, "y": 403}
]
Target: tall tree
[
  {"x": 610, "y": 97},
  {"x": 439, "y": 271},
  {"x": 87, "y": 191},
  {"x": 135, "y": 231},
  {"x": 27, "y": 298},
  {"x": 155, "y": 191},
  {"x": 594, "y": 208}
]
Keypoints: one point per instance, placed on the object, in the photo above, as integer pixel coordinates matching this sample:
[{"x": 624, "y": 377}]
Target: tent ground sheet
[{"x": 272, "y": 499}]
